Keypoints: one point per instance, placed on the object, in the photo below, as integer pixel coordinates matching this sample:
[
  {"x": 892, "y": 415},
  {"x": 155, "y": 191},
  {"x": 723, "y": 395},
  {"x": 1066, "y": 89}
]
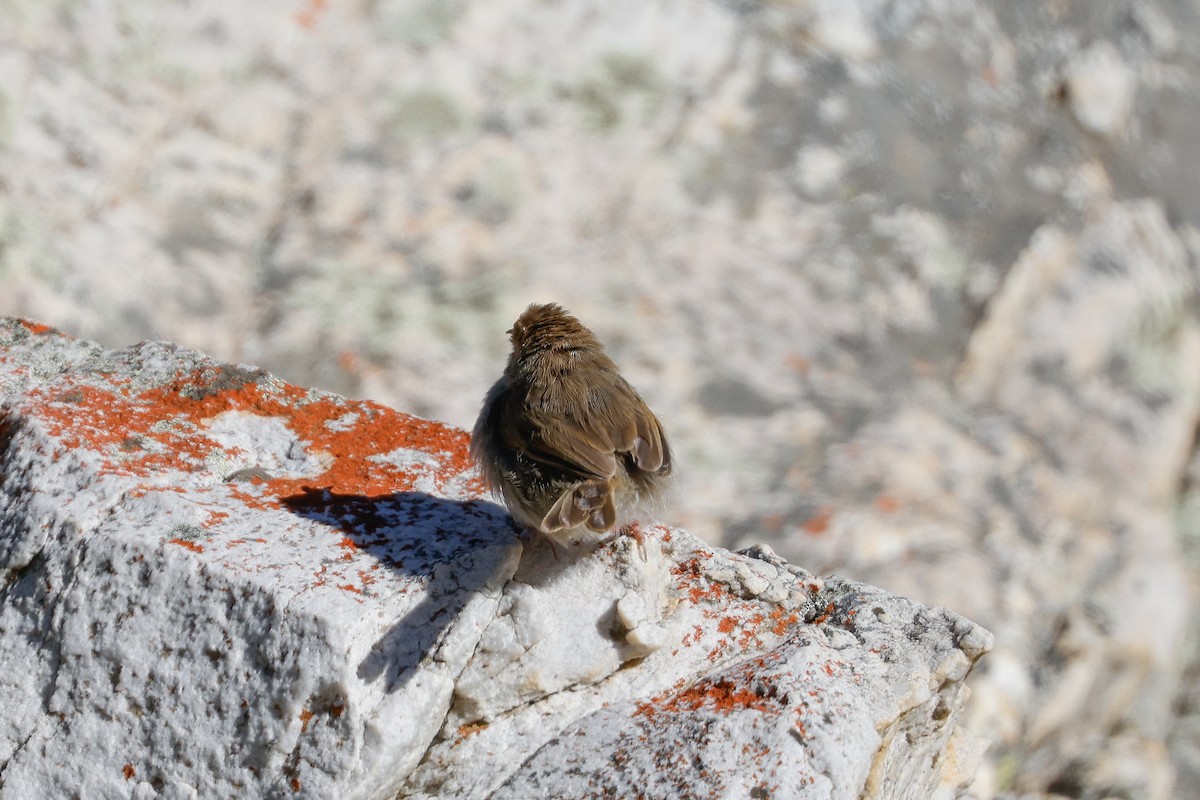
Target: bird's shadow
[{"x": 448, "y": 550}]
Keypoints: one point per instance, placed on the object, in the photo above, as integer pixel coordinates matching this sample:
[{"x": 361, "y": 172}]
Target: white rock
[
  {"x": 351, "y": 619},
  {"x": 819, "y": 168},
  {"x": 1101, "y": 89},
  {"x": 844, "y": 29}
]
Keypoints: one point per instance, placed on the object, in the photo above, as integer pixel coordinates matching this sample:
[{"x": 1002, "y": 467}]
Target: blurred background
[{"x": 911, "y": 283}]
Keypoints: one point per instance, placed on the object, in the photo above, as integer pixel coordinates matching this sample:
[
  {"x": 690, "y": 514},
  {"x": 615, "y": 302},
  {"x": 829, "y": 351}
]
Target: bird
[{"x": 563, "y": 439}]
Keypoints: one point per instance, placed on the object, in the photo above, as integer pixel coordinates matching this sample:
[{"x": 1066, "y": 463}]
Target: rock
[
  {"x": 1100, "y": 88},
  {"x": 219, "y": 584},
  {"x": 844, "y": 29},
  {"x": 904, "y": 312}
]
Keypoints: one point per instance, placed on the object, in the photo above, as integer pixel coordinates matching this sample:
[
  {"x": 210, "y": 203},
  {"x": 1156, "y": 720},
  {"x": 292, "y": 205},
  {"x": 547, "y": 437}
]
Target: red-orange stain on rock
[
  {"x": 471, "y": 727},
  {"x": 691, "y": 638},
  {"x": 169, "y": 424},
  {"x": 307, "y": 18},
  {"x": 305, "y": 716},
  {"x": 128, "y": 771},
  {"x": 797, "y": 363},
  {"x": 773, "y": 523},
  {"x": 741, "y": 630},
  {"x": 886, "y": 503},
  {"x": 818, "y": 523},
  {"x": 722, "y": 695},
  {"x": 782, "y": 621},
  {"x": 690, "y": 575},
  {"x": 39, "y": 328},
  {"x": 749, "y": 635},
  {"x": 195, "y": 548}
]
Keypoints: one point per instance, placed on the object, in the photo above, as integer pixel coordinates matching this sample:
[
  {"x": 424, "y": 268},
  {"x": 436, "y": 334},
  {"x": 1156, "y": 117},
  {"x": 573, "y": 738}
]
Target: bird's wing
[
  {"x": 572, "y": 449},
  {"x": 587, "y": 441}
]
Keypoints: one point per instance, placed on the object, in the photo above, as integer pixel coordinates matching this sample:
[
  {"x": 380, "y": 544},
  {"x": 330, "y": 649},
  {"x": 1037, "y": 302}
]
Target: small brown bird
[{"x": 563, "y": 437}]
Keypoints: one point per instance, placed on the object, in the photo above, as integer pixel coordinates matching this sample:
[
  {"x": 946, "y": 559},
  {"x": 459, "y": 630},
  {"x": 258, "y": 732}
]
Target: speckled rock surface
[
  {"x": 219, "y": 584},
  {"x": 911, "y": 283}
]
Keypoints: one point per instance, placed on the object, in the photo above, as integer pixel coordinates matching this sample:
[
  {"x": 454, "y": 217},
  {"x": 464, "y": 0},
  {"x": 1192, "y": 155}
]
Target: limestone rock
[
  {"x": 1101, "y": 89},
  {"x": 908, "y": 317},
  {"x": 219, "y": 584}
]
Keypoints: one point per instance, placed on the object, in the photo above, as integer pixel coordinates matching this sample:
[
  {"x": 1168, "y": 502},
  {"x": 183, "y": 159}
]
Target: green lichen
[
  {"x": 7, "y": 121},
  {"x": 1150, "y": 347},
  {"x": 358, "y": 302},
  {"x": 187, "y": 532},
  {"x": 27, "y": 249},
  {"x": 619, "y": 87},
  {"x": 1187, "y": 523},
  {"x": 424, "y": 115},
  {"x": 425, "y": 25},
  {"x": 494, "y": 191}
]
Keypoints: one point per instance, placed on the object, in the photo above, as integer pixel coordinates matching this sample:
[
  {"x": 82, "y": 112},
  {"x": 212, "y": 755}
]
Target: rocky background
[{"x": 912, "y": 283}]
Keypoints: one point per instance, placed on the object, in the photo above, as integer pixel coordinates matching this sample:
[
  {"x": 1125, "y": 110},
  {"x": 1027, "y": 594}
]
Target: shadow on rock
[{"x": 448, "y": 550}]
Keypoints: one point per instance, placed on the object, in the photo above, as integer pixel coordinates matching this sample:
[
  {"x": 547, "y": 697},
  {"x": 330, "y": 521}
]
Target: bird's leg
[
  {"x": 528, "y": 535},
  {"x": 525, "y": 533}
]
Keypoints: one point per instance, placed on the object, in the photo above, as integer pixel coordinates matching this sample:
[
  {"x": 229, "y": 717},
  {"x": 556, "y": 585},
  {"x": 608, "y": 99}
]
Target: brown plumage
[{"x": 563, "y": 438}]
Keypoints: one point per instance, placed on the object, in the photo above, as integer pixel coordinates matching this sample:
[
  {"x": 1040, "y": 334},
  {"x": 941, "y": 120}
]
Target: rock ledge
[{"x": 217, "y": 584}]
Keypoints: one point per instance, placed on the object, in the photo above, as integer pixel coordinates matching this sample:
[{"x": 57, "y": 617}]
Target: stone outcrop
[
  {"x": 913, "y": 284},
  {"x": 219, "y": 584}
]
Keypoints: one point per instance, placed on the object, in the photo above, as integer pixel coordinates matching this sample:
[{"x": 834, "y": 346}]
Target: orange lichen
[
  {"x": 818, "y": 523},
  {"x": 773, "y": 523},
  {"x": 307, "y": 18},
  {"x": 305, "y": 716},
  {"x": 886, "y": 503},
  {"x": 691, "y": 638},
  {"x": 690, "y": 574},
  {"x": 783, "y": 621},
  {"x": 720, "y": 694},
  {"x": 471, "y": 727},
  {"x": 193, "y": 546},
  {"x": 128, "y": 771},
  {"x": 39, "y": 328},
  {"x": 825, "y": 615},
  {"x": 144, "y": 433}
]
